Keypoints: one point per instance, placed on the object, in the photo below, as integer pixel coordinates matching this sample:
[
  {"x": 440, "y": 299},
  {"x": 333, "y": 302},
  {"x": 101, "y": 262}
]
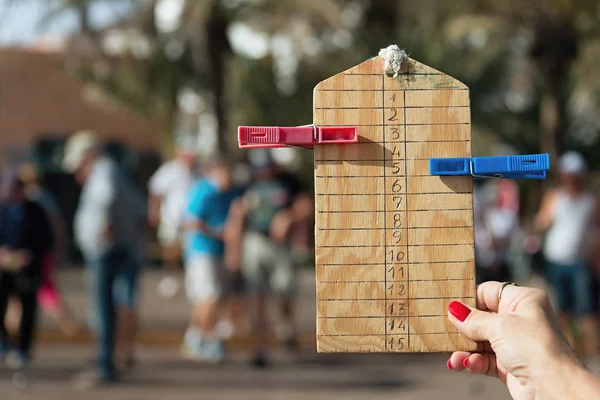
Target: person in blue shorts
[
  {"x": 206, "y": 278},
  {"x": 108, "y": 229},
  {"x": 569, "y": 215}
]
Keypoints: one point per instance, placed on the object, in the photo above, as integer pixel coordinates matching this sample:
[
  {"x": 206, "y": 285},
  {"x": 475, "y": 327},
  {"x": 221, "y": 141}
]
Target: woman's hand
[{"x": 520, "y": 344}]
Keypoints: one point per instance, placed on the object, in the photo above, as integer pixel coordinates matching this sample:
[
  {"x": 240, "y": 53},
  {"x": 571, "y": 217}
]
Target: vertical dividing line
[
  {"x": 384, "y": 211},
  {"x": 407, "y": 230}
]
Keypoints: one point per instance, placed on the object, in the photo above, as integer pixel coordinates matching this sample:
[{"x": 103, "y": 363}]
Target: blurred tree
[
  {"x": 151, "y": 67},
  {"x": 530, "y": 65}
]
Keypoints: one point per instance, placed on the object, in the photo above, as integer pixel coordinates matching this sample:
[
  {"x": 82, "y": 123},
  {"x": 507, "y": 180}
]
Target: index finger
[{"x": 487, "y": 295}]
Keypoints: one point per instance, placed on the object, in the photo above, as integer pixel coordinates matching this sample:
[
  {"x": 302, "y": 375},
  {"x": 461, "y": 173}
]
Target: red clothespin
[{"x": 301, "y": 136}]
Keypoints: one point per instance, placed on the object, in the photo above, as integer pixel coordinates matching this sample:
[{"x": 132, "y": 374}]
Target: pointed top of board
[{"x": 412, "y": 75}]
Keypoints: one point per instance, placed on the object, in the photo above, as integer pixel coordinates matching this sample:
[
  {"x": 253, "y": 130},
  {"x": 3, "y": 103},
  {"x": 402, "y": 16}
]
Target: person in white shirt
[
  {"x": 108, "y": 230},
  {"x": 496, "y": 212},
  {"x": 570, "y": 216},
  {"x": 169, "y": 189}
]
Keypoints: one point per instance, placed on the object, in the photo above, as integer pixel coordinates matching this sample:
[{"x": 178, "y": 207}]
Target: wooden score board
[{"x": 395, "y": 245}]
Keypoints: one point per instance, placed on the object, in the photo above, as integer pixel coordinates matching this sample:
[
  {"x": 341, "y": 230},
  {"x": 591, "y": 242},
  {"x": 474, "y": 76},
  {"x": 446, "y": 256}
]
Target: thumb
[{"x": 473, "y": 323}]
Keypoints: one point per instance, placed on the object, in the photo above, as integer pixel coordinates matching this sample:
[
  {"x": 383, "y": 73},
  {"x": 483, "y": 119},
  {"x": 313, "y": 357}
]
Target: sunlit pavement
[
  {"x": 163, "y": 320},
  {"x": 162, "y": 374}
]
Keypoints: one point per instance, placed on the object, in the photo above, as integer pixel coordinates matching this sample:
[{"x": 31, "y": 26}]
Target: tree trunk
[
  {"x": 554, "y": 49},
  {"x": 551, "y": 122},
  {"x": 217, "y": 50},
  {"x": 83, "y": 14}
]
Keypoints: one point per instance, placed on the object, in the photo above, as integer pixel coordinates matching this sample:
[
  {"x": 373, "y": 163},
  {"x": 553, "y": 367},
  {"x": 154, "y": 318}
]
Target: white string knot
[{"x": 393, "y": 56}]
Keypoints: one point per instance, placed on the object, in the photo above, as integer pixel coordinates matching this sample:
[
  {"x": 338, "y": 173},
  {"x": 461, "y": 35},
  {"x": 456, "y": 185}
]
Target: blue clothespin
[{"x": 529, "y": 166}]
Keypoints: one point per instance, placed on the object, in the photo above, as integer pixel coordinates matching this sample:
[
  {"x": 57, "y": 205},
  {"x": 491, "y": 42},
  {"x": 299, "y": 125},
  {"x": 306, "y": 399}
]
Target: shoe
[
  {"x": 225, "y": 329},
  {"x": 126, "y": 364},
  {"x": 191, "y": 351},
  {"x": 260, "y": 361},
  {"x": 93, "y": 379},
  {"x": 16, "y": 360},
  {"x": 212, "y": 352},
  {"x": 169, "y": 287},
  {"x": 291, "y": 343}
]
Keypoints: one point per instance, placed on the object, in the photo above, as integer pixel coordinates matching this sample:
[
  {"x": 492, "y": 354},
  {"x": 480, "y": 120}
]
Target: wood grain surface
[{"x": 394, "y": 244}]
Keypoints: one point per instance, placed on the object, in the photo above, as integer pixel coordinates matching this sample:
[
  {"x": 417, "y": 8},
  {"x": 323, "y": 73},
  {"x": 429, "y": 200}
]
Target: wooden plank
[
  {"x": 366, "y": 169},
  {"x": 350, "y": 100},
  {"x": 349, "y": 255},
  {"x": 427, "y": 150},
  {"x": 437, "y": 98},
  {"x": 362, "y": 221},
  {"x": 424, "y": 133},
  {"x": 358, "y": 344},
  {"x": 377, "y": 308},
  {"x": 341, "y": 273},
  {"x": 373, "y": 152},
  {"x": 349, "y": 237},
  {"x": 394, "y": 244},
  {"x": 439, "y": 116},
  {"x": 337, "y": 117},
  {"x": 350, "y": 290}
]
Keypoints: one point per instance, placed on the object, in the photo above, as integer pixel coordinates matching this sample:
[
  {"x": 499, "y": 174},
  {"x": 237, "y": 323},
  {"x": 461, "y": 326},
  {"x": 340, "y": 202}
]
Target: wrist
[
  {"x": 580, "y": 383},
  {"x": 562, "y": 375}
]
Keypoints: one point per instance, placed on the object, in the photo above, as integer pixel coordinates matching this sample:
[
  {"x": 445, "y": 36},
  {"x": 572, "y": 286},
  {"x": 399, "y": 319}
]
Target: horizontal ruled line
[
  {"x": 401, "y": 124},
  {"x": 386, "y": 194},
  {"x": 365, "y": 246},
  {"x": 398, "y": 74},
  {"x": 423, "y": 141},
  {"x": 339, "y": 160},
  {"x": 404, "y": 281},
  {"x": 406, "y": 298},
  {"x": 354, "y": 176},
  {"x": 370, "y": 176},
  {"x": 387, "y": 107},
  {"x": 349, "y": 212},
  {"x": 399, "y": 263},
  {"x": 412, "y": 141},
  {"x": 390, "y": 229},
  {"x": 395, "y": 211},
  {"x": 394, "y": 90},
  {"x": 390, "y": 335},
  {"x": 387, "y": 316}
]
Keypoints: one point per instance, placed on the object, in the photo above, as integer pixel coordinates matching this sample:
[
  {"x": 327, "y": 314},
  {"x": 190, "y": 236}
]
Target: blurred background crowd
[{"x": 119, "y": 160}]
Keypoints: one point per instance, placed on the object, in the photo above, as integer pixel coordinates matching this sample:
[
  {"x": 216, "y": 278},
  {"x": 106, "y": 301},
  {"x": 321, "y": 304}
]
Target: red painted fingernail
[
  {"x": 466, "y": 363},
  {"x": 449, "y": 364},
  {"x": 459, "y": 310}
]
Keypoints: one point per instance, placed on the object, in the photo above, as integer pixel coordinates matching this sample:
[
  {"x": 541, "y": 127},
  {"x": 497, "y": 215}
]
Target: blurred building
[{"x": 40, "y": 101}]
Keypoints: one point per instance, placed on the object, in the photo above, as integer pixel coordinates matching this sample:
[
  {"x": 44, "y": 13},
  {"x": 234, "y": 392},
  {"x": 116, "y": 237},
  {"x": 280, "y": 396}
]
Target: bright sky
[{"x": 20, "y": 20}]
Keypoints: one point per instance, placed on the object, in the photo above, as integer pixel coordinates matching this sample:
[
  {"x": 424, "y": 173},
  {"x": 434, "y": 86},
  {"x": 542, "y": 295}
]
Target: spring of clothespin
[{"x": 526, "y": 166}]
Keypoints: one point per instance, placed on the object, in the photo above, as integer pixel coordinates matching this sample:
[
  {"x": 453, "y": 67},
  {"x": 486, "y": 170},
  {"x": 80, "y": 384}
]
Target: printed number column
[{"x": 396, "y": 236}]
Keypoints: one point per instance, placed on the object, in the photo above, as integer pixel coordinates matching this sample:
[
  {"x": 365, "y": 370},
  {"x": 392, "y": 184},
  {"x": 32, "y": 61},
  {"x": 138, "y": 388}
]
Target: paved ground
[
  {"x": 162, "y": 375},
  {"x": 163, "y": 320}
]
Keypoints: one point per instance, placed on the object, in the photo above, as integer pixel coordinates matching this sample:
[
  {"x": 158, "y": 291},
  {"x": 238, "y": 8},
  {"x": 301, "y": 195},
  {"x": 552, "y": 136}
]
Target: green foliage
[{"x": 531, "y": 66}]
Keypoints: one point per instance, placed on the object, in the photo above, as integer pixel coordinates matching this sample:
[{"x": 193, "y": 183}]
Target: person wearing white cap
[
  {"x": 169, "y": 188},
  {"x": 107, "y": 230},
  {"x": 569, "y": 216}
]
